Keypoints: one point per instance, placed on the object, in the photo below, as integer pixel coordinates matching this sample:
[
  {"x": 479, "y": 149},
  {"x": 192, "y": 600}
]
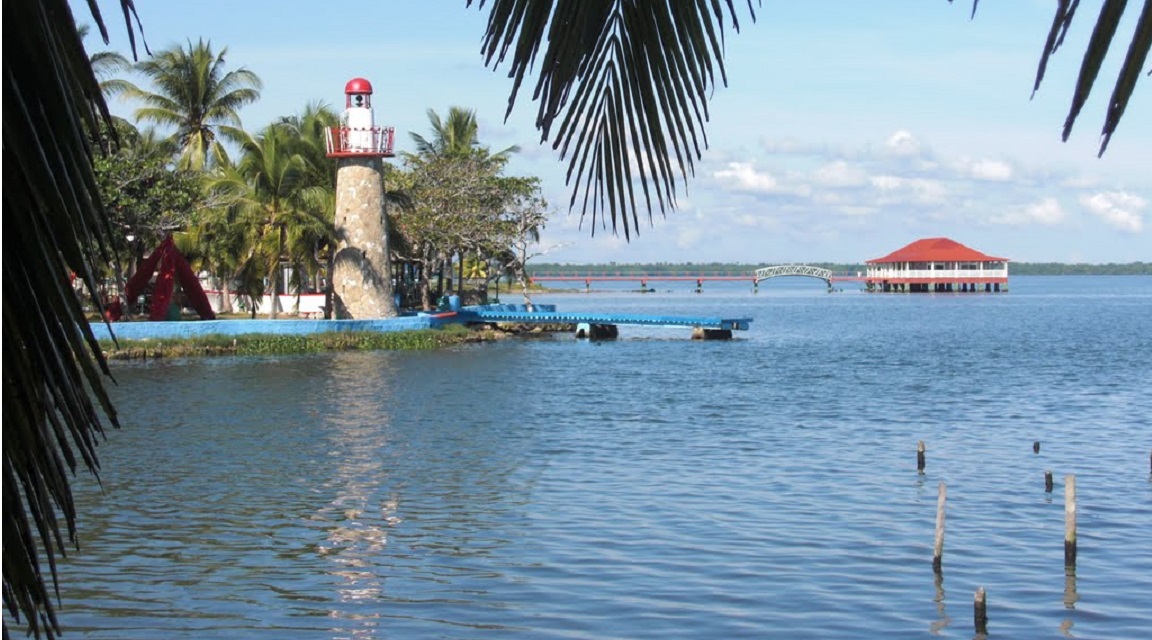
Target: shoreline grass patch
[{"x": 254, "y": 344}]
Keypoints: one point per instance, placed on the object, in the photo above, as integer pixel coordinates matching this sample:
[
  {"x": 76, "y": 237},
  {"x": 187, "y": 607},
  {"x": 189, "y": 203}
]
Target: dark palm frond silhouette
[{"x": 54, "y": 373}]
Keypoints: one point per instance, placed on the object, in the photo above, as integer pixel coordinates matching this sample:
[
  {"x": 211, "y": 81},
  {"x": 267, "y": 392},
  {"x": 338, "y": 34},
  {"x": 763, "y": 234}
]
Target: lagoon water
[{"x": 650, "y": 487}]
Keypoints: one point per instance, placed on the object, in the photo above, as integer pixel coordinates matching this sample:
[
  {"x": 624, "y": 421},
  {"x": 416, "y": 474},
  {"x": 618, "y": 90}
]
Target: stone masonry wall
[{"x": 361, "y": 275}]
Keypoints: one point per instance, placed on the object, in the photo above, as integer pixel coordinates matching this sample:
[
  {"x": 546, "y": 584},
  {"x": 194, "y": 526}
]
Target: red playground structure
[{"x": 172, "y": 267}]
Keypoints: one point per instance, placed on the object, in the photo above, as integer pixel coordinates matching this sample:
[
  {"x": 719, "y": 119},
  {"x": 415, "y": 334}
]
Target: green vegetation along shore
[{"x": 255, "y": 344}]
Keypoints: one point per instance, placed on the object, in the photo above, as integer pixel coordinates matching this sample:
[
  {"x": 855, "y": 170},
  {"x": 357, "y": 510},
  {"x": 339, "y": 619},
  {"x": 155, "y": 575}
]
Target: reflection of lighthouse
[{"x": 361, "y": 277}]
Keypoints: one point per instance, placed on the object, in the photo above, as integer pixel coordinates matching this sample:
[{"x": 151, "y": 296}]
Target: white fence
[{"x": 308, "y": 305}]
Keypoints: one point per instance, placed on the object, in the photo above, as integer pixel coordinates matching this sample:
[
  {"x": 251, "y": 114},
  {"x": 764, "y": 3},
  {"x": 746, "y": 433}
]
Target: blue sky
[{"x": 848, "y": 129}]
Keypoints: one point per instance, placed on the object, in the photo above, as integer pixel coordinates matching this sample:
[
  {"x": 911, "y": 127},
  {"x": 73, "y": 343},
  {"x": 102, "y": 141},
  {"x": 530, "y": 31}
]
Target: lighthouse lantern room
[{"x": 357, "y": 136}]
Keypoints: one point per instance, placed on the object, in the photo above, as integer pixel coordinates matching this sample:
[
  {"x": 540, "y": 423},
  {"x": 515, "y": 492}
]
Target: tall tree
[
  {"x": 146, "y": 197},
  {"x": 216, "y": 242},
  {"x": 452, "y": 137},
  {"x": 450, "y": 196},
  {"x": 309, "y": 130},
  {"x": 198, "y": 98},
  {"x": 455, "y": 141},
  {"x": 456, "y": 136},
  {"x": 107, "y": 65},
  {"x": 270, "y": 197}
]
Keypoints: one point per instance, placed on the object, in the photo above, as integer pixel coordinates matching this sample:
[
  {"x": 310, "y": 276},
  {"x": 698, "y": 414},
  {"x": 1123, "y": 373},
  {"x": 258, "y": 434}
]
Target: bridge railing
[{"x": 793, "y": 270}]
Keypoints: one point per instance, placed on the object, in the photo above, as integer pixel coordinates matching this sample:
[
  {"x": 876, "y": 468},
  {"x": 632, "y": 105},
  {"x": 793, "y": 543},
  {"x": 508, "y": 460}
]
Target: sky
[{"x": 847, "y": 129}]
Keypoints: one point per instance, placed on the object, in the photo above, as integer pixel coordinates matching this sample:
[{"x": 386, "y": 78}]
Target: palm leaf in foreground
[
  {"x": 53, "y": 394},
  {"x": 628, "y": 85},
  {"x": 1103, "y": 34}
]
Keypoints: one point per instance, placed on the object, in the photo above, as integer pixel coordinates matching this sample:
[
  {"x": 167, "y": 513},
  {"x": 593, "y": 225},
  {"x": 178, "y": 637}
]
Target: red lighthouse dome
[{"x": 358, "y": 85}]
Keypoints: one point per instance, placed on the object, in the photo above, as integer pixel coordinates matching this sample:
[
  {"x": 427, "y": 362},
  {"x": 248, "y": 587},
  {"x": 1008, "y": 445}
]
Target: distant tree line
[{"x": 733, "y": 268}]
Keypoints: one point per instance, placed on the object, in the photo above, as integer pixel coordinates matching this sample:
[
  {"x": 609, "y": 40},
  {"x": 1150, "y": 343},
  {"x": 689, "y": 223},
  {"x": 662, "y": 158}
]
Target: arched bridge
[{"x": 793, "y": 270}]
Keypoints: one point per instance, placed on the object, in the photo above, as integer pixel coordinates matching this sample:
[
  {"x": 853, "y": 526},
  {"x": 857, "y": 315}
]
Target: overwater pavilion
[{"x": 937, "y": 265}]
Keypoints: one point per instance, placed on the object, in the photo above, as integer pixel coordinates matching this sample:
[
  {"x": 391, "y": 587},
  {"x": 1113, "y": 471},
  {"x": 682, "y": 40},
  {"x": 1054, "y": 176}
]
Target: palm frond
[
  {"x": 53, "y": 397},
  {"x": 1129, "y": 73},
  {"x": 628, "y": 84},
  {"x": 1099, "y": 44}
]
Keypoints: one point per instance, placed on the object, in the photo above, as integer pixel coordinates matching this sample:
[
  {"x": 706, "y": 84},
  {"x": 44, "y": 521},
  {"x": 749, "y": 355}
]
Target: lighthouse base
[{"x": 361, "y": 276}]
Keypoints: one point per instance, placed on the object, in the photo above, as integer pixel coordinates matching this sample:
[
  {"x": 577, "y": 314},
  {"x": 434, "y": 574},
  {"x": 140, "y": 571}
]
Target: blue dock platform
[
  {"x": 589, "y": 325},
  {"x": 546, "y": 314},
  {"x": 603, "y": 325}
]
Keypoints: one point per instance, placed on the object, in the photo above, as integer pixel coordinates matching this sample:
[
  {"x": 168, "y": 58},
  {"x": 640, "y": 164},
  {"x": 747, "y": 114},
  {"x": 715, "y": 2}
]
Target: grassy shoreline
[
  {"x": 257, "y": 344},
  {"x": 254, "y": 344}
]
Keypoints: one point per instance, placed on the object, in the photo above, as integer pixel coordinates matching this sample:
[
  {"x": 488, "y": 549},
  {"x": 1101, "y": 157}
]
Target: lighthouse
[{"x": 361, "y": 271}]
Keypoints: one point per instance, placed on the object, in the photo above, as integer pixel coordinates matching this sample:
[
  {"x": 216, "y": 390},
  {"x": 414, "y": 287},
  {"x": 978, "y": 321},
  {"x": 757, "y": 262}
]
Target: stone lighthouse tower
[{"x": 361, "y": 274}]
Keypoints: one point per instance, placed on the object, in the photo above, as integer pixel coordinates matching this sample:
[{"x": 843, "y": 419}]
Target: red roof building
[{"x": 937, "y": 265}]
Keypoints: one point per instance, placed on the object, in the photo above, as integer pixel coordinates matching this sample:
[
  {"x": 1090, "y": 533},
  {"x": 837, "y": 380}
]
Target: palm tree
[
  {"x": 457, "y": 136},
  {"x": 453, "y": 137},
  {"x": 269, "y": 196},
  {"x": 455, "y": 141},
  {"x": 106, "y": 64},
  {"x": 198, "y": 98},
  {"x": 309, "y": 130},
  {"x": 215, "y": 242},
  {"x": 622, "y": 80}
]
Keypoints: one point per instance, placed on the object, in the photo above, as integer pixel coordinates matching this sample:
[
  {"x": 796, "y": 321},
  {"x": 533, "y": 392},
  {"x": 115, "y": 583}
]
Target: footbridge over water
[
  {"x": 755, "y": 276},
  {"x": 781, "y": 270}
]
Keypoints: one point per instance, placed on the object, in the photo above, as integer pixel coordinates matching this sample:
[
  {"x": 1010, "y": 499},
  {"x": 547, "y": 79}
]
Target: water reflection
[
  {"x": 1070, "y": 595},
  {"x": 942, "y": 620},
  {"x": 421, "y": 486},
  {"x": 357, "y": 520}
]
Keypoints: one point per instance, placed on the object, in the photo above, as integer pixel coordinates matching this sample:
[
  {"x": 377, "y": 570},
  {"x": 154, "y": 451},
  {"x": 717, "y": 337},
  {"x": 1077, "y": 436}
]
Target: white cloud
[
  {"x": 903, "y": 143},
  {"x": 840, "y": 174},
  {"x": 920, "y": 190},
  {"x": 887, "y": 183},
  {"x": 791, "y": 146},
  {"x": 1119, "y": 209},
  {"x": 744, "y": 176},
  {"x": 689, "y": 238},
  {"x": 1046, "y": 212},
  {"x": 856, "y": 211},
  {"x": 994, "y": 170}
]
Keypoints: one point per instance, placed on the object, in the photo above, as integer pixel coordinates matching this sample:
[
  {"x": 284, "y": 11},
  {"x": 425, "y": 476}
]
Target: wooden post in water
[
  {"x": 920, "y": 456},
  {"x": 1047, "y": 482},
  {"x": 938, "y": 547},
  {"x": 981, "y": 612},
  {"x": 1036, "y": 447},
  {"x": 1070, "y": 521}
]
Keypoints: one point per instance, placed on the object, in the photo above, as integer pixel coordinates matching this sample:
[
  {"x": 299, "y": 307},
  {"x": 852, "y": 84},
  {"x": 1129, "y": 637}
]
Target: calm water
[{"x": 652, "y": 487}]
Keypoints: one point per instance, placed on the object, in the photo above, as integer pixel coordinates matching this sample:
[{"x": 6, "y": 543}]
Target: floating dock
[
  {"x": 603, "y": 325},
  {"x": 588, "y": 325}
]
